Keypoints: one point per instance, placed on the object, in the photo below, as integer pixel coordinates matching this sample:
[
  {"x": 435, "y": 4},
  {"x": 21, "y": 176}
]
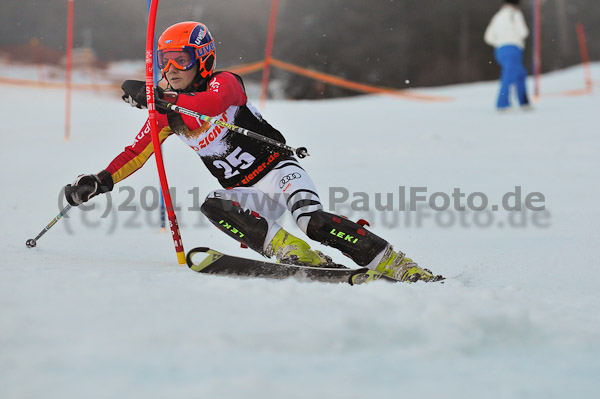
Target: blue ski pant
[{"x": 513, "y": 73}]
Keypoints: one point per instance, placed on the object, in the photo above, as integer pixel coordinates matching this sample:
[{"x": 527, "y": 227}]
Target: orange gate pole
[
  {"x": 69, "y": 65},
  {"x": 268, "y": 52},
  {"x": 585, "y": 59}
]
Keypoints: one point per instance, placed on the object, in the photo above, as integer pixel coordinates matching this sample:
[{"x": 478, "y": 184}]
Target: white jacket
[{"x": 507, "y": 27}]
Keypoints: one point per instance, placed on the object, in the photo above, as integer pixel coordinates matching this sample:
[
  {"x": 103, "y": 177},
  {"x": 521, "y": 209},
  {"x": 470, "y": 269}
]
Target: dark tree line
[{"x": 380, "y": 42}]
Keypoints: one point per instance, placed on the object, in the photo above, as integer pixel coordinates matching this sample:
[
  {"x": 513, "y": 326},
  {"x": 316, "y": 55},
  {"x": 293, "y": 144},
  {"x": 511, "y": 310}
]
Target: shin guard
[
  {"x": 243, "y": 225},
  {"x": 349, "y": 237}
]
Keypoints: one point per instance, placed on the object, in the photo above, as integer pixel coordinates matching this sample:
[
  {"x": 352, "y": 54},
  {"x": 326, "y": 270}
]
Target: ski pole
[
  {"x": 32, "y": 242},
  {"x": 301, "y": 152}
]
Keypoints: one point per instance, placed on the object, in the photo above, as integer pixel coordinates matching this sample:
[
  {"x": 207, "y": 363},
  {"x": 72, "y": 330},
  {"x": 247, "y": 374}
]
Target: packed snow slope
[{"x": 101, "y": 309}]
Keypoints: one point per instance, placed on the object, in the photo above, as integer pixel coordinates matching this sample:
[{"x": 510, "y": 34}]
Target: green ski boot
[
  {"x": 397, "y": 265},
  {"x": 292, "y": 250}
]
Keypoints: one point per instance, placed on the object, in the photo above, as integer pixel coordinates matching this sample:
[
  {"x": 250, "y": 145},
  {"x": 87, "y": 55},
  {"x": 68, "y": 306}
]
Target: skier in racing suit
[{"x": 260, "y": 181}]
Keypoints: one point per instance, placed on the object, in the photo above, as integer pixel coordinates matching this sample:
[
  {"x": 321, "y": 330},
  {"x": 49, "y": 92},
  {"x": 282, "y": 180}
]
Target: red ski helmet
[{"x": 184, "y": 44}]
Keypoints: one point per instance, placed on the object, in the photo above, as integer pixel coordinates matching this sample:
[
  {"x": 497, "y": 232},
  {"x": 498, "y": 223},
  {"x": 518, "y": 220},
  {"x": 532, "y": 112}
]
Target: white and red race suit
[{"x": 234, "y": 159}]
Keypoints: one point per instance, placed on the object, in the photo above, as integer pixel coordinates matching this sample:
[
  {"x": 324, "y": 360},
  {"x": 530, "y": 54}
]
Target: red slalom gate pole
[
  {"x": 268, "y": 52},
  {"x": 155, "y": 139},
  {"x": 585, "y": 59},
  {"x": 69, "y": 66}
]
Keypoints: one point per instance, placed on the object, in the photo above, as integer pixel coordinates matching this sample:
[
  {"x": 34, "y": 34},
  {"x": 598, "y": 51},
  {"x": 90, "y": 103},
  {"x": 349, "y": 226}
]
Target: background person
[{"x": 507, "y": 32}]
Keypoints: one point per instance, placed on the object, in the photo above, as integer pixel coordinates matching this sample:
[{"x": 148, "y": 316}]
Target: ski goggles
[
  {"x": 181, "y": 58},
  {"x": 185, "y": 57}
]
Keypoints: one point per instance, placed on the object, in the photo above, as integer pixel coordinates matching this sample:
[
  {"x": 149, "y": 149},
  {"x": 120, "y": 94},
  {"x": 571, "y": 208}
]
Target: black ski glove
[
  {"x": 134, "y": 93},
  {"x": 88, "y": 186}
]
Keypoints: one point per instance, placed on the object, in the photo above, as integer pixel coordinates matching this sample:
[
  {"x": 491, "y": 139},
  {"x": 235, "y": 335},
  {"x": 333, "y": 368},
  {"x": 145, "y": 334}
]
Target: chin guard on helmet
[{"x": 207, "y": 66}]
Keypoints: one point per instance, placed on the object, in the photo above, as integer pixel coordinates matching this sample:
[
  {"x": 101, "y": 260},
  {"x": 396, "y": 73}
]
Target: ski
[{"x": 216, "y": 262}]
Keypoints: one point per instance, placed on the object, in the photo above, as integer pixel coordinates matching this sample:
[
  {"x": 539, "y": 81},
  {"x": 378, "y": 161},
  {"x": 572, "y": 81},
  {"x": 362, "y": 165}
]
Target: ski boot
[
  {"x": 294, "y": 251},
  {"x": 397, "y": 265}
]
